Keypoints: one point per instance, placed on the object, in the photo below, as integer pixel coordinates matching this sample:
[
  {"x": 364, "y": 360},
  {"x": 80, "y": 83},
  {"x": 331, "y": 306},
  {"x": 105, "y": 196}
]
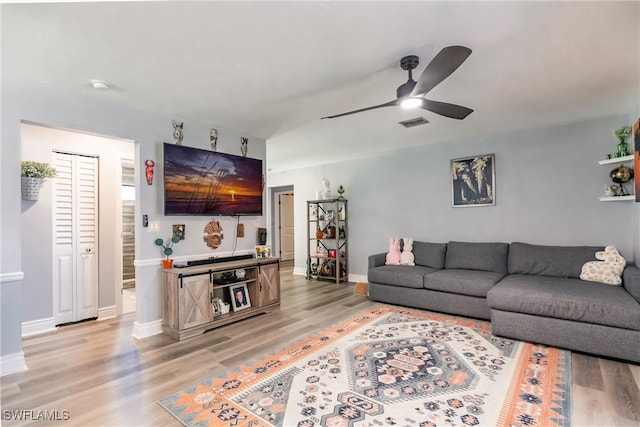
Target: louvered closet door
[{"x": 75, "y": 205}]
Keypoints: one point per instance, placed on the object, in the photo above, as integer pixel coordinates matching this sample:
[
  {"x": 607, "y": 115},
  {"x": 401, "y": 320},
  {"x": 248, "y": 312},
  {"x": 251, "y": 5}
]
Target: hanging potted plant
[
  {"x": 167, "y": 250},
  {"x": 32, "y": 175}
]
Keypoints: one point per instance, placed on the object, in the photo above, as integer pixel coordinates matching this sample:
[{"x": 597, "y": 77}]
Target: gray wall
[
  {"x": 97, "y": 113},
  {"x": 547, "y": 188}
]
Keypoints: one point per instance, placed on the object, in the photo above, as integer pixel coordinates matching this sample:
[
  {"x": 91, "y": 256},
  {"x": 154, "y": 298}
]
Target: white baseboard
[
  {"x": 33, "y": 327},
  {"x": 107, "y": 312},
  {"x": 302, "y": 271},
  {"x": 12, "y": 363},
  {"x": 149, "y": 329},
  {"x": 358, "y": 278}
]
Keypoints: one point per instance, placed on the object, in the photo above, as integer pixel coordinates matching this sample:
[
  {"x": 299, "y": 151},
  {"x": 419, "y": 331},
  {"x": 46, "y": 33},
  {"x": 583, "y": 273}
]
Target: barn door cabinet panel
[
  {"x": 269, "y": 284},
  {"x": 194, "y": 297}
]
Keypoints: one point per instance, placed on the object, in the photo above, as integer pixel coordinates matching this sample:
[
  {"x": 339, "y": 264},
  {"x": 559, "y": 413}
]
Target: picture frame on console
[
  {"x": 473, "y": 181},
  {"x": 263, "y": 251},
  {"x": 240, "y": 297}
]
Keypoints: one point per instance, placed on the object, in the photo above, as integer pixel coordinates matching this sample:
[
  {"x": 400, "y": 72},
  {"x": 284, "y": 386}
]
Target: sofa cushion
[
  {"x": 399, "y": 275},
  {"x": 477, "y": 256},
  {"x": 557, "y": 261},
  {"x": 631, "y": 281},
  {"x": 429, "y": 254},
  {"x": 563, "y": 298},
  {"x": 466, "y": 282}
]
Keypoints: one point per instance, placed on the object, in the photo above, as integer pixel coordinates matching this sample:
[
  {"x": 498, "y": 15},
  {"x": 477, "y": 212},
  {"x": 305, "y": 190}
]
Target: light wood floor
[{"x": 102, "y": 376}]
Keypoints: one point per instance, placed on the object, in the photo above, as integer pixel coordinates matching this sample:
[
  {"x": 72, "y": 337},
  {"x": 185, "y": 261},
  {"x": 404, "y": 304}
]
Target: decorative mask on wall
[
  {"x": 213, "y": 234},
  {"x": 244, "y": 145},
  {"x": 213, "y": 137},
  {"x": 177, "y": 132},
  {"x": 148, "y": 170}
]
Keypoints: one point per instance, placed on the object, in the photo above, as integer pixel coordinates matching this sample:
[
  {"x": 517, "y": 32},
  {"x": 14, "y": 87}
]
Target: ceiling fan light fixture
[{"x": 409, "y": 103}]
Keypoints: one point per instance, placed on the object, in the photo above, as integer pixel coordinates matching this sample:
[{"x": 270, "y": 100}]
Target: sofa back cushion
[
  {"x": 555, "y": 261},
  {"x": 490, "y": 256},
  {"x": 429, "y": 254}
]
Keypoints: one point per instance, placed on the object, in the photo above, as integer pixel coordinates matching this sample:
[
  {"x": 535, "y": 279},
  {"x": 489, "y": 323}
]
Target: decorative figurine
[
  {"x": 148, "y": 170},
  {"x": 244, "y": 142},
  {"x": 213, "y": 137},
  {"x": 341, "y": 192},
  {"x": 177, "y": 132},
  {"x": 326, "y": 189},
  {"x": 610, "y": 190}
]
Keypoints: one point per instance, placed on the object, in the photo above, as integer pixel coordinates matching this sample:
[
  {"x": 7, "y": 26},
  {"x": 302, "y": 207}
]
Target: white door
[
  {"x": 75, "y": 231},
  {"x": 287, "y": 249}
]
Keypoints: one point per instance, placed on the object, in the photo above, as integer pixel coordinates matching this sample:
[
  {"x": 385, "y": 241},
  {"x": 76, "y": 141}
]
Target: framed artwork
[
  {"x": 636, "y": 158},
  {"x": 240, "y": 297},
  {"x": 473, "y": 181},
  {"x": 263, "y": 251}
]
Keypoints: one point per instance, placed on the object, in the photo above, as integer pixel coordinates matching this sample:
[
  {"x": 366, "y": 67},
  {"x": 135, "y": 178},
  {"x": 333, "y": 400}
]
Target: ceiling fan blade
[
  {"x": 388, "y": 104},
  {"x": 448, "y": 110},
  {"x": 446, "y": 62}
]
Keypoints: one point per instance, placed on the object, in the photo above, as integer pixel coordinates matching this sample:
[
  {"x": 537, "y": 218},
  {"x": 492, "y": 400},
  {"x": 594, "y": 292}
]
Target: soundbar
[{"x": 214, "y": 260}]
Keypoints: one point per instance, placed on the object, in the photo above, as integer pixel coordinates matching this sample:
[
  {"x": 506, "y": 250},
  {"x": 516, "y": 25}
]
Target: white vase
[{"x": 30, "y": 187}]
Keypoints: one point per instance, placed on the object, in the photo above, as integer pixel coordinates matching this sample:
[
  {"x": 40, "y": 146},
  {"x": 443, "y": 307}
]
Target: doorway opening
[
  {"x": 128, "y": 234},
  {"x": 283, "y": 224}
]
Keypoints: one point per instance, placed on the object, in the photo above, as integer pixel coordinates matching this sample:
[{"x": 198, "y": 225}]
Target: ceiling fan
[{"x": 412, "y": 94}]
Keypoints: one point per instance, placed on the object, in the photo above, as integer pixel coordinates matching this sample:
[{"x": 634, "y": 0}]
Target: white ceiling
[{"x": 272, "y": 69}]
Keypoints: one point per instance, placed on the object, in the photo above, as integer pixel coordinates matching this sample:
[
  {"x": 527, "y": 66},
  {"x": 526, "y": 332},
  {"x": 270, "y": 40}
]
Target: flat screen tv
[{"x": 203, "y": 182}]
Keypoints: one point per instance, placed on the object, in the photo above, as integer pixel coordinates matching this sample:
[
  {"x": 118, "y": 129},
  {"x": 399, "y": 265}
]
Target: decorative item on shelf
[
  {"x": 326, "y": 189},
  {"x": 213, "y": 138},
  {"x": 314, "y": 269},
  {"x": 148, "y": 170},
  {"x": 331, "y": 231},
  {"x": 244, "y": 146},
  {"x": 177, "y": 132},
  {"x": 313, "y": 215},
  {"x": 217, "y": 307},
  {"x": 319, "y": 233},
  {"x": 332, "y": 253},
  {"x": 341, "y": 192},
  {"x": 341, "y": 233},
  {"x": 213, "y": 234},
  {"x": 621, "y": 135},
  {"x": 610, "y": 190},
  {"x": 167, "y": 249},
  {"x": 33, "y": 175},
  {"x": 240, "y": 274},
  {"x": 320, "y": 250},
  {"x": 341, "y": 214},
  {"x": 621, "y": 175}
]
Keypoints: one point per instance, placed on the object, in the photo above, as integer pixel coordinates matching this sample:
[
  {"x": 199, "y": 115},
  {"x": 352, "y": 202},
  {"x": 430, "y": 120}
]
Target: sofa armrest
[
  {"x": 631, "y": 281},
  {"x": 377, "y": 260}
]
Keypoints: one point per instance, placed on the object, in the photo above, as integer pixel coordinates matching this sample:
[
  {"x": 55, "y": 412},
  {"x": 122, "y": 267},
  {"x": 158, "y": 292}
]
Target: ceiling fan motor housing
[{"x": 407, "y": 63}]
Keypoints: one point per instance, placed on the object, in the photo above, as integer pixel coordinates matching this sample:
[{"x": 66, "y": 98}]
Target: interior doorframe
[
  {"x": 121, "y": 159},
  {"x": 275, "y": 215}
]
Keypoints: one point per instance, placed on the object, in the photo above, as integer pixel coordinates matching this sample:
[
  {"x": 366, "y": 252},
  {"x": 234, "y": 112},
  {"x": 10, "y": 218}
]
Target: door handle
[{"x": 88, "y": 249}]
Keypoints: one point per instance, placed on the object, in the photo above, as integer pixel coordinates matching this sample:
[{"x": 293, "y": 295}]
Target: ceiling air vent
[{"x": 414, "y": 122}]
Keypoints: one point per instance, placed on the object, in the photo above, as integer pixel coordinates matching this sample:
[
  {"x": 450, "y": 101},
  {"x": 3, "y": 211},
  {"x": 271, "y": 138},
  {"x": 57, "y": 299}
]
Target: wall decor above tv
[{"x": 203, "y": 182}]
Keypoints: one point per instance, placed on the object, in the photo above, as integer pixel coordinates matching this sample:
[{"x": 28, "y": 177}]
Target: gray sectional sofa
[{"x": 528, "y": 292}]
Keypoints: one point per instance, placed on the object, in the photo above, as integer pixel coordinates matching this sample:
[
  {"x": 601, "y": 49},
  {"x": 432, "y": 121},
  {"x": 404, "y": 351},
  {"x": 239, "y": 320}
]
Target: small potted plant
[
  {"x": 32, "y": 175},
  {"x": 167, "y": 250}
]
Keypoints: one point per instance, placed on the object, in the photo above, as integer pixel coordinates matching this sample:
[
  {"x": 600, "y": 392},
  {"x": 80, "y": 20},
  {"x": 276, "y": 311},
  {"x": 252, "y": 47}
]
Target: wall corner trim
[
  {"x": 148, "y": 329},
  {"x": 12, "y": 363}
]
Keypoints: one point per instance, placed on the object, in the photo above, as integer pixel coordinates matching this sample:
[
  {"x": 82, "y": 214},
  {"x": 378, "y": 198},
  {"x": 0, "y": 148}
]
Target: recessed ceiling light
[{"x": 99, "y": 84}]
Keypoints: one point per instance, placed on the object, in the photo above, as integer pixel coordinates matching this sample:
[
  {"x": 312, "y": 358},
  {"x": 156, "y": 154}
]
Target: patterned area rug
[{"x": 389, "y": 366}]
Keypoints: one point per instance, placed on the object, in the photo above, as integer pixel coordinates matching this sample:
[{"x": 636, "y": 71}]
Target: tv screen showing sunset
[{"x": 203, "y": 182}]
